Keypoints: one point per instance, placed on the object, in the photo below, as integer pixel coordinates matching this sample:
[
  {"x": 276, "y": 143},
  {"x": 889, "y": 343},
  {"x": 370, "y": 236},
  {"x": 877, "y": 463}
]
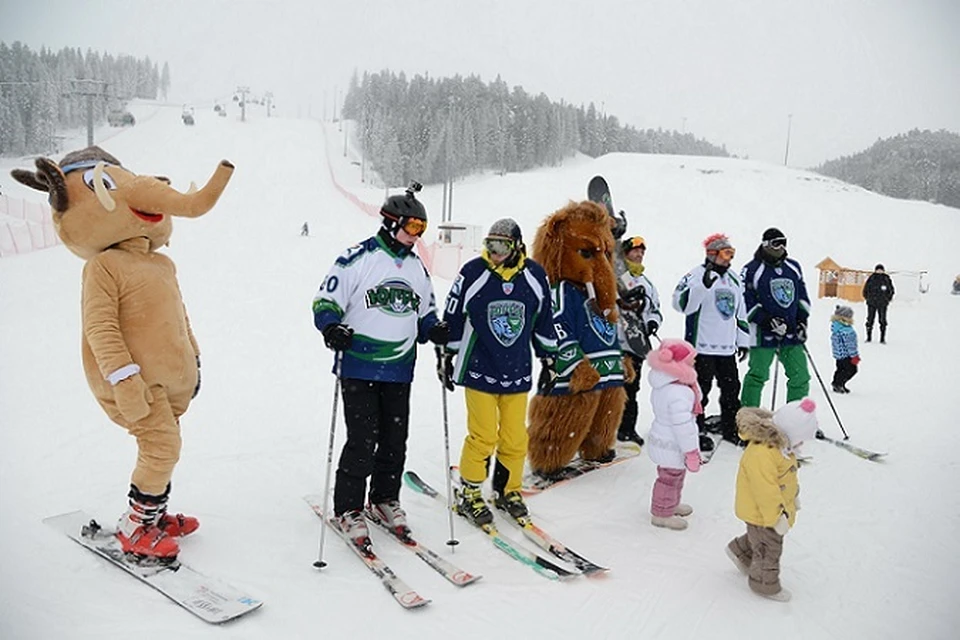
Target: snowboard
[
  {"x": 631, "y": 314},
  {"x": 598, "y": 191},
  {"x": 534, "y": 483},
  {"x": 207, "y": 598}
]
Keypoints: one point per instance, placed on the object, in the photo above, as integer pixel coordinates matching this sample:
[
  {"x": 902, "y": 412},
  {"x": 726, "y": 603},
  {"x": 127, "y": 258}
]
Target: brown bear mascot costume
[
  {"x": 139, "y": 355},
  {"x": 583, "y": 410}
]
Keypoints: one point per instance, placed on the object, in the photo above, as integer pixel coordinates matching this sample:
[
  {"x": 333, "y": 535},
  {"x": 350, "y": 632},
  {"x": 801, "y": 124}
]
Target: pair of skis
[
  {"x": 406, "y": 596},
  {"x": 532, "y": 532}
]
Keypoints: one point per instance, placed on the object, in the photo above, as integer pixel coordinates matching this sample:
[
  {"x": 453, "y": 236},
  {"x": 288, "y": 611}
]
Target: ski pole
[
  {"x": 824, "y": 387},
  {"x": 776, "y": 374},
  {"x": 452, "y": 542},
  {"x": 338, "y": 358}
]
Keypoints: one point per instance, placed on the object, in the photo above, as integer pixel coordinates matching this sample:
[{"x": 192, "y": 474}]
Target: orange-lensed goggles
[
  {"x": 636, "y": 242},
  {"x": 414, "y": 226}
]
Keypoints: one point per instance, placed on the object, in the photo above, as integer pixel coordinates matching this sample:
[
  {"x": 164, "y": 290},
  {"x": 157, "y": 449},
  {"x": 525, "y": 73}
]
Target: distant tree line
[
  {"x": 918, "y": 165},
  {"x": 37, "y": 96},
  {"x": 434, "y": 129}
]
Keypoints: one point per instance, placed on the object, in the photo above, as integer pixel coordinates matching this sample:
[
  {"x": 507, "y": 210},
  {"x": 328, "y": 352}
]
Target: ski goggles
[
  {"x": 636, "y": 242},
  {"x": 499, "y": 246},
  {"x": 414, "y": 226},
  {"x": 776, "y": 243},
  {"x": 727, "y": 254}
]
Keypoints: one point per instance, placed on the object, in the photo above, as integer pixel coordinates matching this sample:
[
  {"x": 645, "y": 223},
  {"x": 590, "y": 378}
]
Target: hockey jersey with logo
[
  {"x": 582, "y": 332},
  {"x": 774, "y": 291},
  {"x": 716, "y": 322},
  {"x": 387, "y": 300},
  {"x": 495, "y": 314}
]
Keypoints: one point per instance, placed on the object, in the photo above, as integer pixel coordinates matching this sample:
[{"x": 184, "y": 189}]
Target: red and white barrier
[{"x": 25, "y": 227}]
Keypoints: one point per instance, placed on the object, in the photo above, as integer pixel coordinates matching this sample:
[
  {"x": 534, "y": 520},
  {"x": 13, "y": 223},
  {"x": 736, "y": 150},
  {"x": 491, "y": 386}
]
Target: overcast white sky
[{"x": 731, "y": 71}]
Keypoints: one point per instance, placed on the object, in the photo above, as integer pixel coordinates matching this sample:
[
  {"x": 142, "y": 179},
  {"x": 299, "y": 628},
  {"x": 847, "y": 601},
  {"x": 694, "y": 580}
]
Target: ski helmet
[{"x": 397, "y": 211}]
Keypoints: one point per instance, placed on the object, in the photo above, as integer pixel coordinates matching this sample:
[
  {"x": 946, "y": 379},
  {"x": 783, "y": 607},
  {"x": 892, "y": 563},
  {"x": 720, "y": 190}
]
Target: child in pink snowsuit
[{"x": 673, "y": 443}]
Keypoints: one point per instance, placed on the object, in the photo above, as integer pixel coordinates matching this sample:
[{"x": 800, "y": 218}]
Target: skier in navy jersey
[
  {"x": 497, "y": 308},
  {"x": 374, "y": 306}
]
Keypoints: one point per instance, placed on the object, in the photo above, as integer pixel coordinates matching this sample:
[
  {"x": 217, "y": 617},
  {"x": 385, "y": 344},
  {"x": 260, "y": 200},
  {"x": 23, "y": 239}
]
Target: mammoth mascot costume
[
  {"x": 583, "y": 410},
  {"x": 139, "y": 355}
]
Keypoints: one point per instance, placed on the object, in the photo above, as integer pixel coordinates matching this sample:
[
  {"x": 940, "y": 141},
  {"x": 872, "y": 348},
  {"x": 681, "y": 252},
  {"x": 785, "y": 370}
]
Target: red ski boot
[
  {"x": 138, "y": 533},
  {"x": 177, "y": 525}
]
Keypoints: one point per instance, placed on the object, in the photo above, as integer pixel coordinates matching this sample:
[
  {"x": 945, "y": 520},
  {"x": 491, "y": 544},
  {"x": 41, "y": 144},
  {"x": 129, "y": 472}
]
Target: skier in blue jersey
[
  {"x": 498, "y": 307},
  {"x": 374, "y": 306}
]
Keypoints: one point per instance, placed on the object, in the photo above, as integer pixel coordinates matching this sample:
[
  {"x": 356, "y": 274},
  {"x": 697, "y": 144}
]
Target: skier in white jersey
[{"x": 374, "y": 306}]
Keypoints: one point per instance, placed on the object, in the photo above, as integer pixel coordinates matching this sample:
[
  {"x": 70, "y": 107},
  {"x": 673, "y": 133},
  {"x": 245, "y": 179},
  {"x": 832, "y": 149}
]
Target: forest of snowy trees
[
  {"x": 918, "y": 165},
  {"x": 38, "y": 95},
  {"x": 436, "y": 129}
]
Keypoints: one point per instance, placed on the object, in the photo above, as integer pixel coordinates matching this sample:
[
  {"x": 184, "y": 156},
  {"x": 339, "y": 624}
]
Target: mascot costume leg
[
  {"x": 139, "y": 354},
  {"x": 583, "y": 411}
]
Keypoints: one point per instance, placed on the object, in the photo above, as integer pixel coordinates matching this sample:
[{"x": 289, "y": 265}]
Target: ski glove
[
  {"x": 439, "y": 333},
  {"x": 709, "y": 275},
  {"x": 802, "y": 331},
  {"x": 742, "y": 353},
  {"x": 777, "y": 326},
  {"x": 196, "y": 389},
  {"x": 619, "y": 225},
  {"x": 445, "y": 368},
  {"x": 855, "y": 360},
  {"x": 133, "y": 398},
  {"x": 548, "y": 375},
  {"x": 783, "y": 525},
  {"x": 652, "y": 328},
  {"x": 337, "y": 337},
  {"x": 692, "y": 460}
]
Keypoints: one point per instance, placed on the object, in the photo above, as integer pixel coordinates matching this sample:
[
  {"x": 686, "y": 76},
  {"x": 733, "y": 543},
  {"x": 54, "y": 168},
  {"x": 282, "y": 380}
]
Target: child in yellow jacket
[{"x": 767, "y": 490}]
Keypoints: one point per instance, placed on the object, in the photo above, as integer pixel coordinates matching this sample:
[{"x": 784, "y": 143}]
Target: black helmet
[{"x": 405, "y": 206}]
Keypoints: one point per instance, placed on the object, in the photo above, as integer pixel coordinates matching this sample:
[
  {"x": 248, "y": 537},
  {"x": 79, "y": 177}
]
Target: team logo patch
[
  {"x": 783, "y": 291},
  {"x": 507, "y": 288},
  {"x": 726, "y": 303},
  {"x": 605, "y": 331},
  {"x": 394, "y": 297},
  {"x": 506, "y": 319}
]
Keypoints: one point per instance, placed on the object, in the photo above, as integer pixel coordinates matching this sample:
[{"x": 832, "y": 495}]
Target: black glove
[
  {"x": 337, "y": 337},
  {"x": 742, "y": 353},
  {"x": 439, "y": 334},
  {"x": 445, "y": 368},
  {"x": 709, "y": 277},
  {"x": 802, "y": 331},
  {"x": 777, "y": 326},
  {"x": 635, "y": 299},
  {"x": 548, "y": 376},
  {"x": 652, "y": 327},
  {"x": 196, "y": 389},
  {"x": 620, "y": 225}
]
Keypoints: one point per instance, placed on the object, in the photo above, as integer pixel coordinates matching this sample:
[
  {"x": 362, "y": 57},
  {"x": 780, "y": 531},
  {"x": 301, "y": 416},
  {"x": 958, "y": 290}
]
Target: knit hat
[
  {"x": 772, "y": 233},
  {"x": 505, "y": 228},
  {"x": 797, "y": 420},
  {"x": 879, "y": 267},
  {"x": 715, "y": 242},
  {"x": 674, "y": 358},
  {"x": 843, "y": 311}
]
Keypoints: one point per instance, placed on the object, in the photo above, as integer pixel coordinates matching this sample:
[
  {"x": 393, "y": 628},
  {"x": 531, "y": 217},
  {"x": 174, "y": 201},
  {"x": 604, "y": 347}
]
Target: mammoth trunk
[{"x": 157, "y": 197}]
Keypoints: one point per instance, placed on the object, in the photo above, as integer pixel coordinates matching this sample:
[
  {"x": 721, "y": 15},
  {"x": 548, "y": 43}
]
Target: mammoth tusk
[
  {"x": 102, "y": 194},
  {"x": 192, "y": 189},
  {"x": 591, "y": 292}
]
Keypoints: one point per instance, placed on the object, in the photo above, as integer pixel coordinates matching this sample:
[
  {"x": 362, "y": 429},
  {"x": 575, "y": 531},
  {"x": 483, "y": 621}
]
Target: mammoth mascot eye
[
  {"x": 585, "y": 253},
  {"x": 107, "y": 180}
]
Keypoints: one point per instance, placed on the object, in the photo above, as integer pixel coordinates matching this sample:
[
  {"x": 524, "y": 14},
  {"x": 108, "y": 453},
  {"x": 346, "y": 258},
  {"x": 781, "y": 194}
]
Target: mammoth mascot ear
[{"x": 49, "y": 178}]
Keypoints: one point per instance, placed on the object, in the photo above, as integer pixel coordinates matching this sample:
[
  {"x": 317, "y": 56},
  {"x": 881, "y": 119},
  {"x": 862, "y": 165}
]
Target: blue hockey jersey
[
  {"x": 582, "y": 332},
  {"x": 495, "y": 313},
  {"x": 774, "y": 291}
]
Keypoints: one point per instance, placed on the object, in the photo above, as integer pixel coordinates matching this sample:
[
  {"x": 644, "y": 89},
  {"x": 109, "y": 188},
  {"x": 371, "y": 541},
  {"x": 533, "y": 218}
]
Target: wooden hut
[{"x": 840, "y": 282}]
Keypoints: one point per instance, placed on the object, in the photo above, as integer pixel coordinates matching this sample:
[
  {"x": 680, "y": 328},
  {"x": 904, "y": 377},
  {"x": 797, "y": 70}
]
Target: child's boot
[{"x": 672, "y": 522}]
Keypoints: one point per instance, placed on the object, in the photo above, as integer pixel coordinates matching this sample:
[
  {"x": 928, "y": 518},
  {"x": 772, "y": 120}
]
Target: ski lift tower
[{"x": 89, "y": 89}]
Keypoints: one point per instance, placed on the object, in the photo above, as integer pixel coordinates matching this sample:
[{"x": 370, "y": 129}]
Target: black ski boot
[
  {"x": 630, "y": 436},
  {"x": 471, "y": 505},
  {"x": 512, "y": 504}
]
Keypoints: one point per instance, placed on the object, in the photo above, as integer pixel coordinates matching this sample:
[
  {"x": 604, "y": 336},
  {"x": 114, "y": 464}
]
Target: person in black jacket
[{"x": 878, "y": 292}]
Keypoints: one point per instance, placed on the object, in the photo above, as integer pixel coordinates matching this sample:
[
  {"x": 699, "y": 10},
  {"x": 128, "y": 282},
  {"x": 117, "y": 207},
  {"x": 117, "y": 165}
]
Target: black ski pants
[
  {"x": 878, "y": 311},
  {"x": 628, "y": 424},
  {"x": 377, "y": 416},
  {"x": 724, "y": 370},
  {"x": 845, "y": 370}
]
